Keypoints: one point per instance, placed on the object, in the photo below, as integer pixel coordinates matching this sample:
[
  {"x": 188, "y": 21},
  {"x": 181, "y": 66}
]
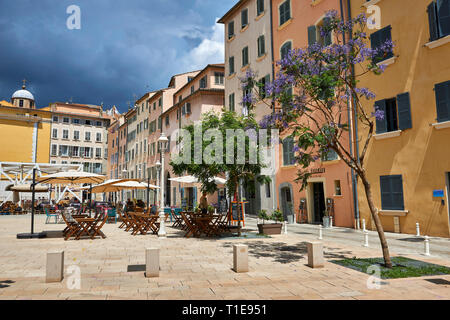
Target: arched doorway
[{"x": 286, "y": 200}]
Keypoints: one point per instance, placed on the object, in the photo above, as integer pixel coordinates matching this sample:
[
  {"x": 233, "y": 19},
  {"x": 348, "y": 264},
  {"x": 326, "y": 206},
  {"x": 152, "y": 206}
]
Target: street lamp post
[
  {"x": 158, "y": 166},
  {"x": 163, "y": 146},
  {"x": 124, "y": 176}
]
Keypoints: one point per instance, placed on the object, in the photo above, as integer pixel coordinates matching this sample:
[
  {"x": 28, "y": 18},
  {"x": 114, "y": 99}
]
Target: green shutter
[
  {"x": 381, "y": 124},
  {"x": 432, "y": 21},
  {"x": 312, "y": 35},
  {"x": 385, "y": 188},
  {"x": 285, "y": 153},
  {"x": 397, "y": 193},
  {"x": 443, "y": 12},
  {"x": 404, "y": 111},
  {"x": 442, "y": 91}
]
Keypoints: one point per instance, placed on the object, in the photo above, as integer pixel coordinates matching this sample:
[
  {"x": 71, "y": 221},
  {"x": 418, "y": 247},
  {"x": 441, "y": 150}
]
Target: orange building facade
[{"x": 296, "y": 24}]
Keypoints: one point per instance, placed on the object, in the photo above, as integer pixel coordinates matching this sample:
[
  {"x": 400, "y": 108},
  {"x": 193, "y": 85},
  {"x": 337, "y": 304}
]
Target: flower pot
[
  {"x": 326, "y": 222},
  {"x": 270, "y": 228}
]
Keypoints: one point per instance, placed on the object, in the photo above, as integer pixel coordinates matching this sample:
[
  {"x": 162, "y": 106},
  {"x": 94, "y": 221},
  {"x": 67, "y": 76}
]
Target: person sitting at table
[
  {"x": 153, "y": 210},
  {"x": 204, "y": 203}
]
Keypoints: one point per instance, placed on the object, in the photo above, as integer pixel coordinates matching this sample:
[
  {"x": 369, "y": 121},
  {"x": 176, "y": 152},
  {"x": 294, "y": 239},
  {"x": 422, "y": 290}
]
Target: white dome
[{"x": 23, "y": 94}]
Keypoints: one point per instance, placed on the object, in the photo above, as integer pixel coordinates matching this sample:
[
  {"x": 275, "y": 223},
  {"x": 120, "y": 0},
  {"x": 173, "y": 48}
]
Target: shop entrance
[{"x": 319, "y": 201}]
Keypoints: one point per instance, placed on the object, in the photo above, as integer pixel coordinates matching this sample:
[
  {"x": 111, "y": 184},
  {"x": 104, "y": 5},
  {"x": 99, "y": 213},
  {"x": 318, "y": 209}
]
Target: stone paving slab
[{"x": 197, "y": 269}]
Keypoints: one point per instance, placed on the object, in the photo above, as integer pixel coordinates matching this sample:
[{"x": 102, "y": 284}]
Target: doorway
[
  {"x": 286, "y": 202},
  {"x": 167, "y": 194},
  {"x": 319, "y": 201}
]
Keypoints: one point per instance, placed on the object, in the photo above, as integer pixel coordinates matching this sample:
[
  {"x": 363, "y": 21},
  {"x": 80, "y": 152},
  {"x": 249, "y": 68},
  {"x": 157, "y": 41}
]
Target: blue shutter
[
  {"x": 311, "y": 35},
  {"x": 443, "y": 12},
  {"x": 381, "y": 124},
  {"x": 195, "y": 196},
  {"x": 442, "y": 91},
  {"x": 432, "y": 21},
  {"x": 404, "y": 111}
]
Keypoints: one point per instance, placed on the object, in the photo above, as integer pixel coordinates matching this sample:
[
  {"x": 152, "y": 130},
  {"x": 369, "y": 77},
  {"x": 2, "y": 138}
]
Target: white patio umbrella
[
  {"x": 71, "y": 177},
  {"x": 192, "y": 179}
]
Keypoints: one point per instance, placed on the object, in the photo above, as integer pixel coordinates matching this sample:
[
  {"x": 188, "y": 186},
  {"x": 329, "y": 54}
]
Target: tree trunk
[
  {"x": 236, "y": 197},
  {"x": 376, "y": 219}
]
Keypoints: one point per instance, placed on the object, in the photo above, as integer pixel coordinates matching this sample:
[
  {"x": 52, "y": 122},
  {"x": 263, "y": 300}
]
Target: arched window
[
  {"x": 288, "y": 151},
  {"x": 285, "y": 48}
]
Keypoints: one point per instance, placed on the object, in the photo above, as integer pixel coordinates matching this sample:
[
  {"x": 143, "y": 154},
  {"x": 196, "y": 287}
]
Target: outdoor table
[{"x": 202, "y": 224}]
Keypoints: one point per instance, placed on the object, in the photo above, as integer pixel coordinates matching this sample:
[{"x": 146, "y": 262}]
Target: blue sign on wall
[{"x": 438, "y": 193}]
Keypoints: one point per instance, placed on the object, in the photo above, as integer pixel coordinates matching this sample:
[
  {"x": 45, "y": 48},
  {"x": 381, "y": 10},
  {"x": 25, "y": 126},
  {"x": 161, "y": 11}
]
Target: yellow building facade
[
  {"x": 24, "y": 130},
  {"x": 408, "y": 161}
]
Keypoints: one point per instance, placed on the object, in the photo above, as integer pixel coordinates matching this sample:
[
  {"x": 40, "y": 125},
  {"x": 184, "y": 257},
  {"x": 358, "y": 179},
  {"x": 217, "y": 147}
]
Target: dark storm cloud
[{"x": 123, "y": 47}]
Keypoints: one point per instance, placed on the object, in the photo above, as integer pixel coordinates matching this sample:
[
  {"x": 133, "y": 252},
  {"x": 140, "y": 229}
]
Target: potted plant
[
  {"x": 210, "y": 209},
  {"x": 326, "y": 219},
  {"x": 270, "y": 228}
]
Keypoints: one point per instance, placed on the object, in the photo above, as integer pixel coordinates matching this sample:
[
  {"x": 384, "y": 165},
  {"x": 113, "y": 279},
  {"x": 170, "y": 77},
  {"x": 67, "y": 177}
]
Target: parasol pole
[{"x": 33, "y": 197}]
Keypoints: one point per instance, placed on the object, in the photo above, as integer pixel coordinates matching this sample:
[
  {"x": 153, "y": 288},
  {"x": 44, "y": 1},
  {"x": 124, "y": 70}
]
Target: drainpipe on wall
[
  {"x": 275, "y": 191},
  {"x": 355, "y": 126}
]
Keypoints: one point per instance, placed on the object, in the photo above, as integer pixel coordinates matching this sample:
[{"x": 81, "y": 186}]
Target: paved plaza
[{"x": 201, "y": 268}]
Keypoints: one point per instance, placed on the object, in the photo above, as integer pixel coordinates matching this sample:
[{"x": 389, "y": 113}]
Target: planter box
[{"x": 270, "y": 228}]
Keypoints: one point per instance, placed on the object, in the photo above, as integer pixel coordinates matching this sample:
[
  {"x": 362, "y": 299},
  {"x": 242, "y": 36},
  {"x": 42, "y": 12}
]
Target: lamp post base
[{"x": 39, "y": 235}]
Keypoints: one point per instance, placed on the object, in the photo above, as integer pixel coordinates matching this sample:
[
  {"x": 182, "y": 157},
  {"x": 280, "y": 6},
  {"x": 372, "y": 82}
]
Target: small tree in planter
[{"x": 270, "y": 228}]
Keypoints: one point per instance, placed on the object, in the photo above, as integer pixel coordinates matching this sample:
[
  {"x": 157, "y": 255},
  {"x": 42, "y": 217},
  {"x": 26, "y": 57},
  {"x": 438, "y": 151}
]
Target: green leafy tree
[{"x": 219, "y": 152}]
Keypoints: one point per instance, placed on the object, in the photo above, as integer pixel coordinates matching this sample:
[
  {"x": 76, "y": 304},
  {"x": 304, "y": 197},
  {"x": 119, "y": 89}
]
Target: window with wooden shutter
[
  {"x": 391, "y": 188},
  {"x": 259, "y": 7},
  {"x": 285, "y": 12},
  {"x": 288, "y": 153},
  {"x": 442, "y": 91},
  {"x": 285, "y": 49},
  {"x": 432, "y": 21},
  {"x": 245, "y": 56},
  {"x": 404, "y": 111},
  {"x": 261, "y": 46},
  {"x": 378, "y": 39},
  {"x": 443, "y": 15},
  {"x": 312, "y": 35},
  {"x": 231, "y": 65},
  {"x": 326, "y": 41},
  {"x": 231, "y": 30},
  {"x": 244, "y": 18},
  {"x": 231, "y": 101}
]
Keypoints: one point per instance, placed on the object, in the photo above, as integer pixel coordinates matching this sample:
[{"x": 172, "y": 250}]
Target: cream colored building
[
  {"x": 248, "y": 46},
  {"x": 79, "y": 136}
]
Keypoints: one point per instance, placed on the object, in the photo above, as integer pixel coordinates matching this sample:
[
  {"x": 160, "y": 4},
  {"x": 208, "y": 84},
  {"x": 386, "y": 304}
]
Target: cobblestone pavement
[
  {"x": 398, "y": 243},
  {"x": 193, "y": 268}
]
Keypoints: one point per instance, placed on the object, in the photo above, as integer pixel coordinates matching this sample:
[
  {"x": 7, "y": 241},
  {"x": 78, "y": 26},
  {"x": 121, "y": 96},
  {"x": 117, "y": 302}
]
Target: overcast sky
[{"x": 124, "y": 47}]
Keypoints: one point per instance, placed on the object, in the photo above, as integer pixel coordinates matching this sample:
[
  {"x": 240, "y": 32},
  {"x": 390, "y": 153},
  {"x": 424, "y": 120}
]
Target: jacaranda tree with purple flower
[{"x": 316, "y": 89}]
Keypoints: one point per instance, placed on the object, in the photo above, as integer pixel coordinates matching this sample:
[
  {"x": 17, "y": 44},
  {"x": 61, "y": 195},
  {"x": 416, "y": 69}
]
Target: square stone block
[
  {"x": 240, "y": 258},
  {"x": 55, "y": 266},
  {"x": 315, "y": 254},
  {"x": 152, "y": 263}
]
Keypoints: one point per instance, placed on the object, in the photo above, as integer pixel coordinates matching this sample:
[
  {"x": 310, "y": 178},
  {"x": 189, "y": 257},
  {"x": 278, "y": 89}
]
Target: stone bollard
[
  {"x": 320, "y": 232},
  {"x": 315, "y": 254},
  {"x": 417, "y": 230},
  {"x": 427, "y": 246},
  {"x": 285, "y": 227},
  {"x": 240, "y": 258},
  {"x": 152, "y": 263},
  {"x": 366, "y": 239},
  {"x": 364, "y": 225},
  {"x": 55, "y": 266},
  {"x": 331, "y": 222}
]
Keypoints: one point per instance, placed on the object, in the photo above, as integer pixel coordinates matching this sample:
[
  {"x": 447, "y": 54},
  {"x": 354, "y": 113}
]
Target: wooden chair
[
  {"x": 97, "y": 226},
  {"x": 190, "y": 226},
  {"x": 72, "y": 228}
]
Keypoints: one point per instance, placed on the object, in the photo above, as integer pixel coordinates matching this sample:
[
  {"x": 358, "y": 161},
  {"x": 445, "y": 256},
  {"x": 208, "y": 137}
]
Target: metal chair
[
  {"x": 50, "y": 215},
  {"x": 112, "y": 213}
]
